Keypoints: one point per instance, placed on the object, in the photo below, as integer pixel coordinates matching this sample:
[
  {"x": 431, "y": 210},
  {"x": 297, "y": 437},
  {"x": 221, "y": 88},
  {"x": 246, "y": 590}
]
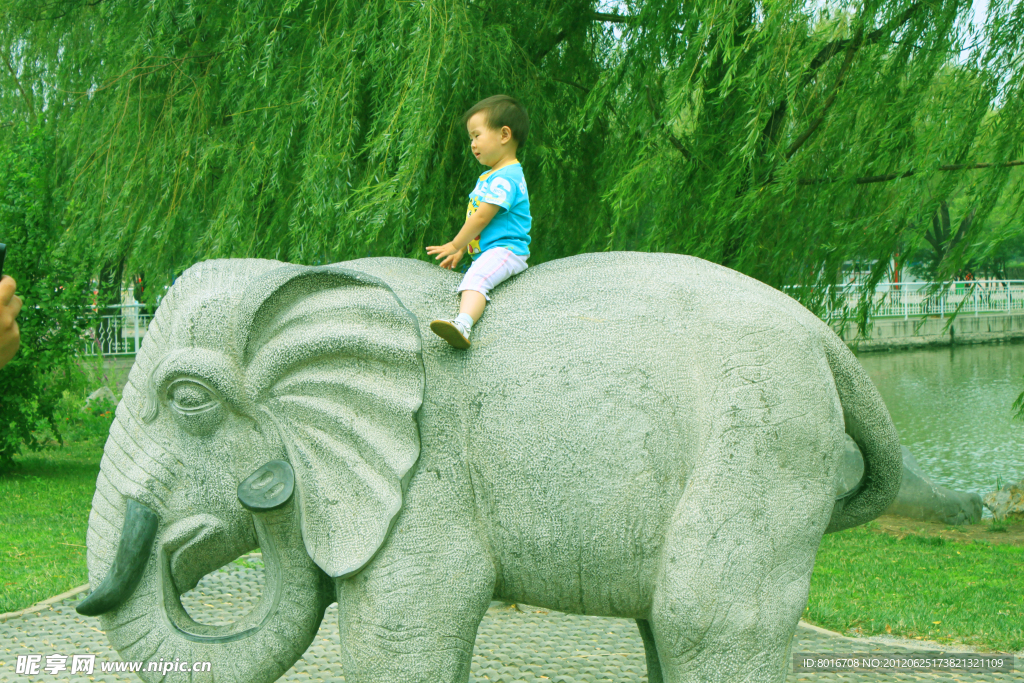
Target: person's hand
[
  {"x": 449, "y": 253},
  {"x": 451, "y": 261},
  {"x": 10, "y": 306}
]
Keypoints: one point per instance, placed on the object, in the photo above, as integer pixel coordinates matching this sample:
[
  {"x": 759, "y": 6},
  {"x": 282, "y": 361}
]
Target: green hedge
[{"x": 54, "y": 297}]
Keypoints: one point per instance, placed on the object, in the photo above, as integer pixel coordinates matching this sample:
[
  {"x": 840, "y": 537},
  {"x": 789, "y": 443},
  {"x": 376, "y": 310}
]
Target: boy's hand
[
  {"x": 449, "y": 253},
  {"x": 470, "y": 231}
]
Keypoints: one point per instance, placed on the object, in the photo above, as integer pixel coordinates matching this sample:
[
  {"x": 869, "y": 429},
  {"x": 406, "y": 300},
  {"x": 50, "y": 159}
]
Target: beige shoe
[{"x": 452, "y": 331}]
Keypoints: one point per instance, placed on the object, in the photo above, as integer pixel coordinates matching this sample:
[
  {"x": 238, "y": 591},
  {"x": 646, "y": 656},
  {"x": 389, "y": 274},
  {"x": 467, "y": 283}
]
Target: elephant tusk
[{"x": 133, "y": 551}]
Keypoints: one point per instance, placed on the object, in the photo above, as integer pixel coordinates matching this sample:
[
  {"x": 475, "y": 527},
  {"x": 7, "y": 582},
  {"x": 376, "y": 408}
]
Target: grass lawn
[
  {"x": 44, "y": 512},
  {"x": 868, "y": 580}
]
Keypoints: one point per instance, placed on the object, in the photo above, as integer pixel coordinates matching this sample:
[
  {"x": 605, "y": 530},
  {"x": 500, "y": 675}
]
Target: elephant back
[
  {"x": 568, "y": 302},
  {"x": 612, "y": 339}
]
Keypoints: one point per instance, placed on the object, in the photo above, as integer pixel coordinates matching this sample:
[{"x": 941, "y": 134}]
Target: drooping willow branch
[
  {"x": 851, "y": 50},
  {"x": 906, "y": 174},
  {"x": 774, "y": 124},
  {"x": 68, "y": 7},
  {"x": 614, "y": 18},
  {"x": 832, "y": 48},
  {"x": 25, "y": 95}
]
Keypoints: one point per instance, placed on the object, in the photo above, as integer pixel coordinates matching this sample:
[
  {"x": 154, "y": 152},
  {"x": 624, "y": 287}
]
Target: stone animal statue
[{"x": 648, "y": 436}]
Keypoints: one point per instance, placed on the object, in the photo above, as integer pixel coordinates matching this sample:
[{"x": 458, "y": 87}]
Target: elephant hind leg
[
  {"x": 734, "y": 578},
  {"x": 651, "y": 651}
]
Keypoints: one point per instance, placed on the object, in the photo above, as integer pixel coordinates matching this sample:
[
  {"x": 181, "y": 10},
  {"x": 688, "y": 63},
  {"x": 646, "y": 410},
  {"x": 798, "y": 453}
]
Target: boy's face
[{"x": 489, "y": 145}]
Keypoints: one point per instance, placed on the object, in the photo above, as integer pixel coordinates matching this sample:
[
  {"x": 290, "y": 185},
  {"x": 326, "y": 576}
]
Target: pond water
[{"x": 953, "y": 409}]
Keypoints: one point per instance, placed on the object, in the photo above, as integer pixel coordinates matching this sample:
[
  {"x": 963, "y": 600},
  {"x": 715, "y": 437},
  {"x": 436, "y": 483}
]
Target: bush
[
  {"x": 75, "y": 421},
  {"x": 51, "y": 320}
]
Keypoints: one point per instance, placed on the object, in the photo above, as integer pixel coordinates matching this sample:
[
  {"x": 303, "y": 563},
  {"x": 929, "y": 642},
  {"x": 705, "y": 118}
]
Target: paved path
[{"x": 512, "y": 646}]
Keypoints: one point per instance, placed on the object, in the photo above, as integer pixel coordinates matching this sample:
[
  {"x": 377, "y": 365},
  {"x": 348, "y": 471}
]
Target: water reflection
[{"x": 952, "y": 407}]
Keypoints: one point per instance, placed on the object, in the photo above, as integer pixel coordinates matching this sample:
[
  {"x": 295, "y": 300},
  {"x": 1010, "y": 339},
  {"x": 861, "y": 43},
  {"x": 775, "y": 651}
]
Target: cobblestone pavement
[{"x": 514, "y": 645}]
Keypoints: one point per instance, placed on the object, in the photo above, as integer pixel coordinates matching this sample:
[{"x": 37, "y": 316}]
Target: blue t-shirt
[{"x": 510, "y": 227}]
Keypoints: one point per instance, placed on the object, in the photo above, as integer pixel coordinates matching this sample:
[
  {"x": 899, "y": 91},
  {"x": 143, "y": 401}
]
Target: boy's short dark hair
[{"x": 502, "y": 111}]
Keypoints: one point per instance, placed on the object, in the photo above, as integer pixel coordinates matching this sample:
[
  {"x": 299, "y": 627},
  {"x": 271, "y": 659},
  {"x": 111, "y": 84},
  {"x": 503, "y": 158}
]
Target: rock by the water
[
  {"x": 1007, "y": 501},
  {"x": 919, "y": 497}
]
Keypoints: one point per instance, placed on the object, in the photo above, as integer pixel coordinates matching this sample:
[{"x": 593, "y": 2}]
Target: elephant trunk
[{"x": 139, "y": 600}]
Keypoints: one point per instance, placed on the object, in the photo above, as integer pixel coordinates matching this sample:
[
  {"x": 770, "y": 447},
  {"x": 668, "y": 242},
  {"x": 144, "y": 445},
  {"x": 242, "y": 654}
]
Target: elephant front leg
[{"x": 412, "y": 615}]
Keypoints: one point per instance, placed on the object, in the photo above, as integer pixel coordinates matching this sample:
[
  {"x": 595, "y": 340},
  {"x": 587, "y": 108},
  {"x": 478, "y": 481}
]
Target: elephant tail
[{"x": 869, "y": 424}]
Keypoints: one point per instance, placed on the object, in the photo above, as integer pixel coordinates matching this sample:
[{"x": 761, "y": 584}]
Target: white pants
[{"x": 490, "y": 269}]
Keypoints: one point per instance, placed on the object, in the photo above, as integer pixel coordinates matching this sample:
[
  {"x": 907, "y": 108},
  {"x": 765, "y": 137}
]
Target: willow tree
[{"x": 777, "y": 137}]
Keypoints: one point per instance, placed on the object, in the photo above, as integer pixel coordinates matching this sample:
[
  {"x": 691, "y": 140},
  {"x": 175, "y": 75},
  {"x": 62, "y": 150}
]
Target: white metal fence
[
  {"x": 910, "y": 299},
  {"x": 117, "y": 333}
]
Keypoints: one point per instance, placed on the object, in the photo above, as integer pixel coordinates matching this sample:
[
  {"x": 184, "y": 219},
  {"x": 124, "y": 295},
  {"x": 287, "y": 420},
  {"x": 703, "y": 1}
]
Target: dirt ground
[{"x": 966, "y": 533}]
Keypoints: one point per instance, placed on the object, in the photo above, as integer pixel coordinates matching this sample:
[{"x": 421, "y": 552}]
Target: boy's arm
[
  {"x": 471, "y": 229},
  {"x": 474, "y": 225}
]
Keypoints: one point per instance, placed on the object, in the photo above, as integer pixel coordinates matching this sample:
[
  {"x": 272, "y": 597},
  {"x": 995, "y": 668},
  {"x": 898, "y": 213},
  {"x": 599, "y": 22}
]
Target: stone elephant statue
[{"x": 648, "y": 436}]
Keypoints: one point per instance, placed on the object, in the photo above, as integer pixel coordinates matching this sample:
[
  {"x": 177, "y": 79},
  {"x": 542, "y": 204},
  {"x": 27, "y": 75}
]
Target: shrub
[{"x": 32, "y": 384}]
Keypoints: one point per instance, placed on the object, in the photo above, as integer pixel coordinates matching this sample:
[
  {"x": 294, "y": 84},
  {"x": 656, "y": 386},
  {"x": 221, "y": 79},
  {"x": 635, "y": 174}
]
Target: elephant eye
[{"x": 190, "y": 397}]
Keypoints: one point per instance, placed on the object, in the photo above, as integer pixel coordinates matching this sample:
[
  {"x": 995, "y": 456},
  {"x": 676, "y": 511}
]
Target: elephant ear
[{"x": 332, "y": 358}]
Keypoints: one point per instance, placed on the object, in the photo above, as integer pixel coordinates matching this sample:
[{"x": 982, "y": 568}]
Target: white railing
[
  {"x": 914, "y": 299},
  {"x": 118, "y": 333}
]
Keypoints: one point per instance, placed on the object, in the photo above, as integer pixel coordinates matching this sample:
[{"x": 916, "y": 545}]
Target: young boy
[{"x": 497, "y": 228}]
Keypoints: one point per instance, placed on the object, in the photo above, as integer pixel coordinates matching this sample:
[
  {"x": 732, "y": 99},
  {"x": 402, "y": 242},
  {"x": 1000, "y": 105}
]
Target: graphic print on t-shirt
[{"x": 474, "y": 245}]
